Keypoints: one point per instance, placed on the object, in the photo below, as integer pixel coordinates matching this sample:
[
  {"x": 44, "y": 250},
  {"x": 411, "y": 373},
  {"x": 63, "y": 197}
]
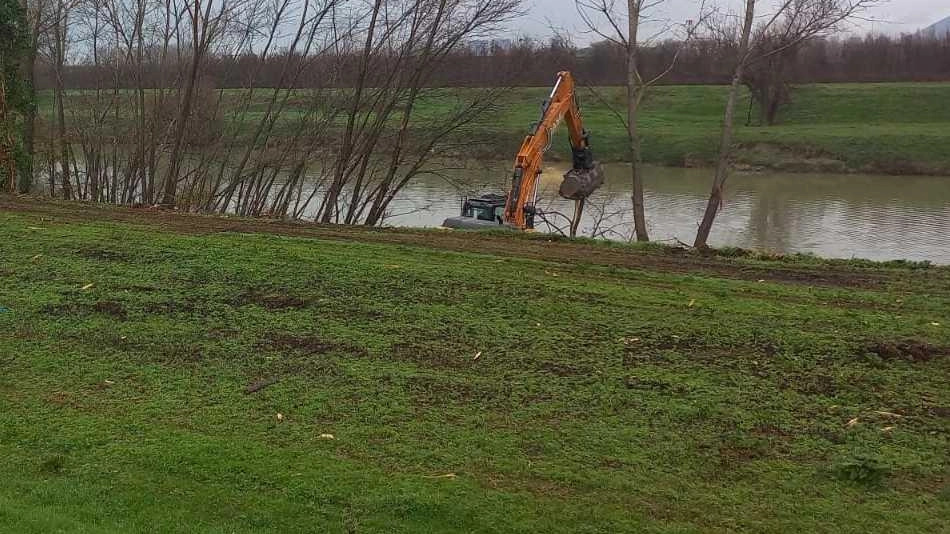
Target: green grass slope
[
  {"x": 142, "y": 372},
  {"x": 899, "y": 128}
]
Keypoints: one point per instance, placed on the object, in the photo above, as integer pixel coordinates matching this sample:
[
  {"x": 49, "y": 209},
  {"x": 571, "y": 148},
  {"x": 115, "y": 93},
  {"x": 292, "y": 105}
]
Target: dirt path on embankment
[{"x": 536, "y": 246}]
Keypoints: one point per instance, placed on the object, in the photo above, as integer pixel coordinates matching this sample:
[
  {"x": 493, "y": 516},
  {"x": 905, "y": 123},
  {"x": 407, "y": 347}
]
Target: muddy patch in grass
[
  {"x": 940, "y": 411},
  {"x": 271, "y": 299},
  {"x": 301, "y": 355},
  {"x": 111, "y": 308},
  {"x": 657, "y": 347},
  {"x": 170, "y": 307},
  {"x": 564, "y": 369},
  {"x": 293, "y": 342},
  {"x": 139, "y": 288},
  {"x": 651, "y": 384},
  {"x": 670, "y": 342},
  {"x": 63, "y": 308},
  {"x": 434, "y": 391},
  {"x": 737, "y": 448},
  {"x": 612, "y": 463},
  {"x": 304, "y": 343},
  {"x": 823, "y": 385},
  {"x": 366, "y": 313},
  {"x": 260, "y": 384},
  {"x": 770, "y": 431},
  {"x": 747, "y": 357},
  {"x": 730, "y": 454},
  {"x": 220, "y": 333},
  {"x": 53, "y": 465},
  {"x": 535, "y": 486},
  {"x": 63, "y": 399},
  {"x": 102, "y": 254},
  {"x": 179, "y": 354},
  {"x": 910, "y": 350},
  {"x": 431, "y": 354}
]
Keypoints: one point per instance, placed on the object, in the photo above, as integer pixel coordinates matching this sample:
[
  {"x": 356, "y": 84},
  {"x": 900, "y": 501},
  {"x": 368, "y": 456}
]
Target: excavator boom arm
[{"x": 562, "y": 104}]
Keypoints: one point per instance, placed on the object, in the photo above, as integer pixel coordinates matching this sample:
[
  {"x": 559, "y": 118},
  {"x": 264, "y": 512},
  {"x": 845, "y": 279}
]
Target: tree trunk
[
  {"x": 328, "y": 209},
  {"x": 7, "y": 156},
  {"x": 174, "y": 163},
  {"x": 725, "y": 139},
  {"x": 29, "y": 117},
  {"x": 141, "y": 156},
  {"x": 636, "y": 171},
  {"x": 765, "y": 104},
  {"x": 634, "y": 93},
  {"x": 184, "y": 112},
  {"x": 378, "y": 208},
  {"x": 59, "y": 30},
  {"x": 578, "y": 212}
]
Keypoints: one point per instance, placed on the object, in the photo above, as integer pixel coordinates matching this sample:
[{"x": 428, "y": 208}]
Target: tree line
[{"x": 872, "y": 58}]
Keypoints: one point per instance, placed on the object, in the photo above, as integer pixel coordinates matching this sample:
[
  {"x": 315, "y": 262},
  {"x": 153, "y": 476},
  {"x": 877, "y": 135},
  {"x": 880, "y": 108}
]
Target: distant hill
[{"x": 938, "y": 29}]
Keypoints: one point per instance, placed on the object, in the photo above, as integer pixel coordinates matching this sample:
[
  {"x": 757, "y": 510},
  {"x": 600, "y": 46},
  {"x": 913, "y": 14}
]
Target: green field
[
  {"x": 900, "y": 128},
  {"x": 876, "y": 127},
  {"x": 470, "y": 383}
]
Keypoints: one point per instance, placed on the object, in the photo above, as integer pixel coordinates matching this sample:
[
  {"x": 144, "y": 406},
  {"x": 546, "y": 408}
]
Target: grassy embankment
[
  {"x": 534, "y": 387},
  {"x": 892, "y": 128}
]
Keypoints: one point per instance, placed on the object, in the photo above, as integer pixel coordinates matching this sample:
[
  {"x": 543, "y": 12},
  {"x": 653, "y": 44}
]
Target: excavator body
[
  {"x": 517, "y": 209},
  {"x": 486, "y": 212}
]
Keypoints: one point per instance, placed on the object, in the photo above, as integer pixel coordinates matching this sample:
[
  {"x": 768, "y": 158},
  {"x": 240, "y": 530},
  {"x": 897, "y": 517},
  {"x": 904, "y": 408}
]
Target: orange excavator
[{"x": 518, "y": 208}]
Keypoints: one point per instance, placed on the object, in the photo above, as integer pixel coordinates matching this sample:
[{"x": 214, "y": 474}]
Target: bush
[{"x": 861, "y": 469}]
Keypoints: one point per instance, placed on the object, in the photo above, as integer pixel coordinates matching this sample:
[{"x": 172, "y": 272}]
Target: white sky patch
[{"x": 890, "y": 17}]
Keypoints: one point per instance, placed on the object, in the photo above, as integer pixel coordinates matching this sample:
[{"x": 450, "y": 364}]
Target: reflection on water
[{"x": 843, "y": 216}]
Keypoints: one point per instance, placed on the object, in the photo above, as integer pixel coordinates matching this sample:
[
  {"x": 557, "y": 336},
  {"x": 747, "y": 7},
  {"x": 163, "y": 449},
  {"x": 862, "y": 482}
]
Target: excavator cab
[{"x": 481, "y": 213}]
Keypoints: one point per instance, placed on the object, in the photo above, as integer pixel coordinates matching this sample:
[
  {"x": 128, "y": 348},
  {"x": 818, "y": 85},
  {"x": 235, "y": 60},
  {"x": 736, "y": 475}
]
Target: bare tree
[
  {"x": 324, "y": 110},
  {"x": 768, "y": 80},
  {"x": 49, "y": 28},
  {"x": 397, "y": 53},
  {"x": 59, "y": 43},
  {"x": 207, "y": 20},
  {"x": 605, "y": 18},
  {"x": 311, "y": 18},
  {"x": 610, "y": 219},
  {"x": 776, "y": 43},
  {"x": 39, "y": 16},
  {"x": 799, "y": 21}
]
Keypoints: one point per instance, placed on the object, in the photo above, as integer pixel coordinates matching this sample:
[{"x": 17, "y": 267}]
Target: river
[{"x": 830, "y": 215}]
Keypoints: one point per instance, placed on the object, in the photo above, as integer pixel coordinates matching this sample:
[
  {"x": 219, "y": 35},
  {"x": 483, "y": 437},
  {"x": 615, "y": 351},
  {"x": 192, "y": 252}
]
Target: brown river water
[{"x": 830, "y": 215}]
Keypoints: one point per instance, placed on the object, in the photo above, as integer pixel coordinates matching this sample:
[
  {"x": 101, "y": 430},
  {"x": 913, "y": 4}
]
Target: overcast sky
[{"x": 892, "y": 17}]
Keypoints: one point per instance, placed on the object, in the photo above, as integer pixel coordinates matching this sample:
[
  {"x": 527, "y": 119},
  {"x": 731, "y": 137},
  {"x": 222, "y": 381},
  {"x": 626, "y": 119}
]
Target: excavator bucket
[{"x": 581, "y": 183}]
